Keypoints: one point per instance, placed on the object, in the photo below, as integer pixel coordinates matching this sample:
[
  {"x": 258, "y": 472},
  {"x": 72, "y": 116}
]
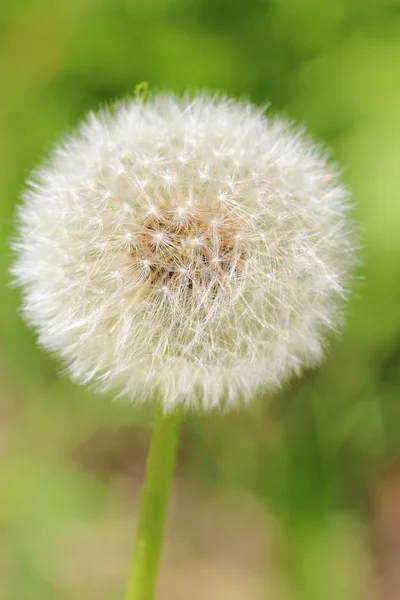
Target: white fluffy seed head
[{"x": 190, "y": 247}]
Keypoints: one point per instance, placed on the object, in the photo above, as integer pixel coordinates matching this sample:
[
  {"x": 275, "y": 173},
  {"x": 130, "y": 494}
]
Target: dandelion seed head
[{"x": 193, "y": 248}]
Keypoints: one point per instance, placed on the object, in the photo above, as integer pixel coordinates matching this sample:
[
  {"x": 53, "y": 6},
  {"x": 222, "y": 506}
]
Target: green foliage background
[{"x": 309, "y": 455}]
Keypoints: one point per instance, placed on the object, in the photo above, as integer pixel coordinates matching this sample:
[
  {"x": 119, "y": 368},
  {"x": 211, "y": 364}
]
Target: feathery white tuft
[{"x": 188, "y": 247}]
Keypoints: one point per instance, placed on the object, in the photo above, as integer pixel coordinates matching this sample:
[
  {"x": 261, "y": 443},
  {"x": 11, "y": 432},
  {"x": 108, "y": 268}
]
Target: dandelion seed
[{"x": 205, "y": 251}]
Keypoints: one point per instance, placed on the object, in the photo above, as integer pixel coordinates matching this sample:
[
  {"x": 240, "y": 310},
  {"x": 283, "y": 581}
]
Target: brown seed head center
[{"x": 186, "y": 248}]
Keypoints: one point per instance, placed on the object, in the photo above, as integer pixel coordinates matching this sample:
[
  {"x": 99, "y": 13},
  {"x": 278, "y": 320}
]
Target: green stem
[{"x": 153, "y": 507}]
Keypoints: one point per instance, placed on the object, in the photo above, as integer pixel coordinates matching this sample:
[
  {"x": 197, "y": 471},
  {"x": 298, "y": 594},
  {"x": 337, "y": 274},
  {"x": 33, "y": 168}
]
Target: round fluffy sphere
[{"x": 192, "y": 248}]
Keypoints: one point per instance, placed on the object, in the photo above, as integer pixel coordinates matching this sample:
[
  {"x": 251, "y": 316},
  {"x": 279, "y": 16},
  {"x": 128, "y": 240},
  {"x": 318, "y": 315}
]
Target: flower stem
[{"x": 153, "y": 507}]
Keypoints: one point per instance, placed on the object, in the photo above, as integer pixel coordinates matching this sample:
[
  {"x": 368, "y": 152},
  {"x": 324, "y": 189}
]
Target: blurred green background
[{"x": 298, "y": 495}]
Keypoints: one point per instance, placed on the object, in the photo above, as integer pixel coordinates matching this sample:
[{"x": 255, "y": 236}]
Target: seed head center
[{"x": 186, "y": 249}]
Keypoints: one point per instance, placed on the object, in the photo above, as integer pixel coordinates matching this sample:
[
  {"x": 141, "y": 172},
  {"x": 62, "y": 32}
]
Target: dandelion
[{"x": 192, "y": 249}]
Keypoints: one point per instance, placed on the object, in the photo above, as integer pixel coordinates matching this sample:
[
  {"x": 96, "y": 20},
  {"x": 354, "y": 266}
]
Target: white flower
[{"x": 189, "y": 247}]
